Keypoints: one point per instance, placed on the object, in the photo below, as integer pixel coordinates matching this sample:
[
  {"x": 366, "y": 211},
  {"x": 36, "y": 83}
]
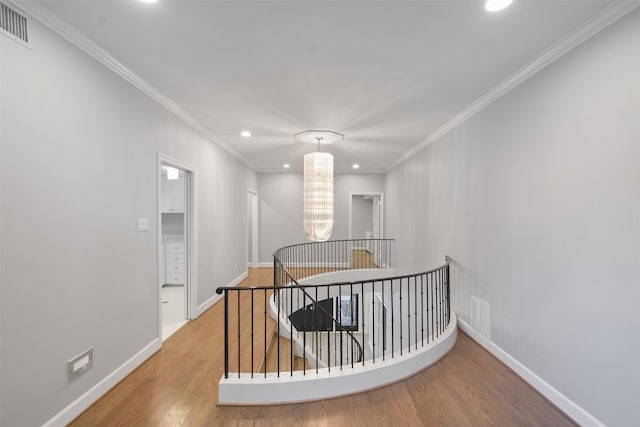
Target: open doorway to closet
[
  {"x": 176, "y": 235},
  {"x": 366, "y": 215},
  {"x": 252, "y": 229},
  {"x": 366, "y": 221}
]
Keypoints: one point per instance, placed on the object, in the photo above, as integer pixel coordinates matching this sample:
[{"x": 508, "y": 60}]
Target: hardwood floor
[
  {"x": 178, "y": 386},
  {"x": 362, "y": 259}
]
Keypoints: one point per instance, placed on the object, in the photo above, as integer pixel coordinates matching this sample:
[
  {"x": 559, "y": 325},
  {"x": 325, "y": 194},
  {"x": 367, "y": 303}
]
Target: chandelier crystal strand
[{"x": 318, "y": 196}]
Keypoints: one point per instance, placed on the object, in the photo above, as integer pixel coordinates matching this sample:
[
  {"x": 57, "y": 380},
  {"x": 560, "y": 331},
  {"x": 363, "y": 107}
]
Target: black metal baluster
[
  {"x": 290, "y": 290},
  {"x": 448, "y": 295},
  {"x": 441, "y": 301},
  {"x": 437, "y": 305},
  {"x": 340, "y": 320},
  {"x": 329, "y": 339},
  {"x": 264, "y": 362},
  {"x": 315, "y": 311},
  {"x": 238, "y": 293},
  {"x": 392, "y": 323},
  {"x": 408, "y": 298},
  {"x": 304, "y": 333},
  {"x": 226, "y": 333},
  {"x": 363, "y": 322},
  {"x": 400, "y": 304},
  {"x": 430, "y": 293},
  {"x": 422, "y": 307},
  {"x": 384, "y": 324},
  {"x": 415, "y": 308},
  {"x": 278, "y": 337},
  {"x": 373, "y": 319},
  {"x": 252, "y": 333},
  {"x": 352, "y": 343}
]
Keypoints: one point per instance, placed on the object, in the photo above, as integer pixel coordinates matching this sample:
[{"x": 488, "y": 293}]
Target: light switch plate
[{"x": 143, "y": 224}]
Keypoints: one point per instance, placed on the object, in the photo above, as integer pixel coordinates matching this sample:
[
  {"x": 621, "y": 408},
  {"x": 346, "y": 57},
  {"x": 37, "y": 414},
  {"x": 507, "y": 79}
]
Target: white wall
[
  {"x": 537, "y": 199},
  {"x": 79, "y": 165},
  {"x": 281, "y": 207}
]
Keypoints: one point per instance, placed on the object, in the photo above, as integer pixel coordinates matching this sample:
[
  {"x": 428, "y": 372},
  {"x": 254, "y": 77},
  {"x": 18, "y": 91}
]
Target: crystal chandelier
[{"x": 318, "y": 186}]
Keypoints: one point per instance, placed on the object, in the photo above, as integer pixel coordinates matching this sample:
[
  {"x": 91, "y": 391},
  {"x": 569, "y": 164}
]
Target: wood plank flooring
[
  {"x": 285, "y": 357},
  {"x": 362, "y": 259},
  {"x": 178, "y": 386}
]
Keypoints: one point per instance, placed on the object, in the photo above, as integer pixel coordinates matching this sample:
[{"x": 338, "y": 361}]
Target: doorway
[
  {"x": 366, "y": 222},
  {"x": 175, "y": 221},
  {"x": 366, "y": 215},
  {"x": 252, "y": 229}
]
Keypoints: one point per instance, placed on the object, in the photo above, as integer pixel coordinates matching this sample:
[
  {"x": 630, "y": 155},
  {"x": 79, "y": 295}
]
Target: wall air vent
[
  {"x": 13, "y": 24},
  {"x": 79, "y": 364}
]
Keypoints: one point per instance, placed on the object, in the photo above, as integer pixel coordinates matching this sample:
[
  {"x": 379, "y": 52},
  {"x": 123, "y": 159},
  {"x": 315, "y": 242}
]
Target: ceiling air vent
[{"x": 13, "y": 24}]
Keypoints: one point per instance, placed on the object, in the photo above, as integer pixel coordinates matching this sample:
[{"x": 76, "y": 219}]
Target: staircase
[
  {"x": 352, "y": 326},
  {"x": 278, "y": 356}
]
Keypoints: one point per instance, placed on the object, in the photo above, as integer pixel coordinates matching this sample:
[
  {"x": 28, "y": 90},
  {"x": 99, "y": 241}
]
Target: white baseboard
[
  {"x": 215, "y": 298},
  {"x": 87, "y": 399},
  {"x": 568, "y": 406},
  {"x": 265, "y": 264},
  {"x": 74, "y": 409}
]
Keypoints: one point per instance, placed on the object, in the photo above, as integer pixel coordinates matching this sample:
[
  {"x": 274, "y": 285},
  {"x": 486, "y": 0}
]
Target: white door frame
[
  {"x": 367, "y": 193},
  {"x": 190, "y": 233},
  {"x": 252, "y": 203}
]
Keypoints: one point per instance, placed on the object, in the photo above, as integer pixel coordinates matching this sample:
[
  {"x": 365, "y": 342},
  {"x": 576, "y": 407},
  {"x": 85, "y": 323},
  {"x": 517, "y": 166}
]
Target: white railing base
[{"x": 312, "y": 386}]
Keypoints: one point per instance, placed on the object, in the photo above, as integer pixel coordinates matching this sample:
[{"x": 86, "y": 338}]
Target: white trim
[
  {"x": 51, "y": 20},
  {"x": 190, "y": 234},
  {"x": 76, "y": 407},
  {"x": 608, "y": 16},
  {"x": 265, "y": 264},
  {"x": 568, "y": 406},
  {"x": 296, "y": 171},
  {"x": 215, "y": 298}
]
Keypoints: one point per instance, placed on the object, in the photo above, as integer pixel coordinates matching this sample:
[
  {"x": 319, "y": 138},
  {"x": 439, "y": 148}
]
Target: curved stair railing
[
  {"x": 296, "y": 262},
  {"x": 354, "y": 350},
  {"x": 301, "y": 323}
]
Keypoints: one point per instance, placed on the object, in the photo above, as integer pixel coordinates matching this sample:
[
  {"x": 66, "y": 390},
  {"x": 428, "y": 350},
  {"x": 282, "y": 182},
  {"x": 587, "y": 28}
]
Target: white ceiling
[{"x": 387, "y": 74}]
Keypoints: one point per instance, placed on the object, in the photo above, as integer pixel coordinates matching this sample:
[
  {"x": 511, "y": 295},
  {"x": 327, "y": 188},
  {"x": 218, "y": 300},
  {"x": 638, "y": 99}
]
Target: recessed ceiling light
[
  {"x": 286, "y": 166},
  {"x": 149, "y": 1},
  {"x": 496, "y": 5},
  {"x": 355, "y": 166},
  {"x": 245, "y": 133}
]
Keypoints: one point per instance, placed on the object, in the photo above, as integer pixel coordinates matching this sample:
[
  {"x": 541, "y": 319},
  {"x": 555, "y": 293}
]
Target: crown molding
[
  {"x": 608, "y": 16},
  {"x": 43, "y": 14},
  {"x": 601, "y": 21},
  {"x": 299, "y": 171}
]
